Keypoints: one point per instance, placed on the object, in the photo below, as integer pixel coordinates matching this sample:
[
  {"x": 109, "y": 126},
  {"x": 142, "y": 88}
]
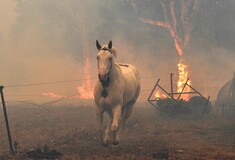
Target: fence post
[
  {"x": 6, "y": 120},
  {"x": 171, "y": 79}
]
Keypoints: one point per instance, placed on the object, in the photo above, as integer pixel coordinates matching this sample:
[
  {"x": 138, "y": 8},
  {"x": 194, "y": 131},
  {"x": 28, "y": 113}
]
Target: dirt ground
[{"x": 151, "y": 136}]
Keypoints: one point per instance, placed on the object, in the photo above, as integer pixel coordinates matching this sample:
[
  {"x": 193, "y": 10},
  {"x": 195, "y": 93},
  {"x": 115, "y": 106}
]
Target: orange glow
[
  {"x": 53, "y": 95},
  {"x": 178, "y": 47},
  {"x": 85, "y": 91},
  {"x": 158, "y": 95},
  {"x": 181, "y": 41},
  {"x": 183, "y": 76}
]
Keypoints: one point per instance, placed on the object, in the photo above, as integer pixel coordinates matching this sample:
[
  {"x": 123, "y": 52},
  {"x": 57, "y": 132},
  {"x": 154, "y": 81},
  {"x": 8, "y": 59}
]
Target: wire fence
[
  {"x": 35, "y": 125},
  {"x": 65, "y": 121},
  {"x": 57, "y": 122}
]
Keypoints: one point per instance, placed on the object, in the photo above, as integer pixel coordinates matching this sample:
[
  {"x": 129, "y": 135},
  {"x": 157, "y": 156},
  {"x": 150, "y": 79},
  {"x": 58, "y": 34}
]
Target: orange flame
[
  {"x": 180, "y": 42},
  {"x": 84, "y": 91},
  {"x": 157, "y": 95},
  {"x": 53, "y": 95},
  {"x": 183, "y": 76}
]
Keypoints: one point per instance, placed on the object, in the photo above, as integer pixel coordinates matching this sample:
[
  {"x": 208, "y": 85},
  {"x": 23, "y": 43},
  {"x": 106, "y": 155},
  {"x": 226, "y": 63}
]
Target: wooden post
[{"x": 6, "y": 120}]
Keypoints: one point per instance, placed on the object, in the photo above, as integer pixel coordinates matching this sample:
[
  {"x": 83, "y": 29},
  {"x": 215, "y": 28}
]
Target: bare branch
[
  {"x": 196, "y": 5},
  {"x": 165, "y": 15},
  {"x": 173, "y": 34},
  {"x": 133, "y": 4},
  {"x": 172, "y": 7},
  {"x": 158, "y": 23},
  {"x": 185, "y": 23}
]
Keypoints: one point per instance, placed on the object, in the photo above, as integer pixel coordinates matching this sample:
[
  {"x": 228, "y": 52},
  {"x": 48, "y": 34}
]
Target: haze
[{"x": 47, "y": 41}]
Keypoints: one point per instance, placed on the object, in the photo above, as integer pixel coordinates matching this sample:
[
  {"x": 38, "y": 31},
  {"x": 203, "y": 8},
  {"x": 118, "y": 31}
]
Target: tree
[{"x": 179, "y": 24}]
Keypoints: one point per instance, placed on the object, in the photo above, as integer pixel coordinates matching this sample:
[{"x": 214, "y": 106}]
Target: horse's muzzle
[{"x": 102, "y": 77}]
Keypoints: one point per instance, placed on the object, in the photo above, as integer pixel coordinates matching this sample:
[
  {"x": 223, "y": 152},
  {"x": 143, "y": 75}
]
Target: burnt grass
[{"x": 147, "y": 135}]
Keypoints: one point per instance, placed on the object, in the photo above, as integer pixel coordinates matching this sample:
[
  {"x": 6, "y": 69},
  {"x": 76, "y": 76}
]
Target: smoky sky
[{"x": 42, "y": 41}]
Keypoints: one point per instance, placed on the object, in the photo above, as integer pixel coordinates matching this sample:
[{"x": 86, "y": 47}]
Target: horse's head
[{"x": 105, "y": 60}]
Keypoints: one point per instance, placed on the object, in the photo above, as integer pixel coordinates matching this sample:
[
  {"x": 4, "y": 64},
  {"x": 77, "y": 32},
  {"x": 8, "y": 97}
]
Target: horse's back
[{"x": 132, "y": 82}]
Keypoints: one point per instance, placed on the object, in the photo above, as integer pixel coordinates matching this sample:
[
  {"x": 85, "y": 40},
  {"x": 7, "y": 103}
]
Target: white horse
[{"x": 116, "y": 92}]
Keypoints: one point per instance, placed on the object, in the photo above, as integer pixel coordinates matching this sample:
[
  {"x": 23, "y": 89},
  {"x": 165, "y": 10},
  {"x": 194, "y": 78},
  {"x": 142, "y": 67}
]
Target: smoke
[
  {"x": 44, "y": 44},
  {"x": 211, "y": 69},
  {"x": 7, "y": 15}
]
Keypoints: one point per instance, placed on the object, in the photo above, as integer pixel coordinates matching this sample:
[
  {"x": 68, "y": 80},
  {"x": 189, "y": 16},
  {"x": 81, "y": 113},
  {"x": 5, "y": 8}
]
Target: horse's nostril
[{"x": 102, "y": 77}]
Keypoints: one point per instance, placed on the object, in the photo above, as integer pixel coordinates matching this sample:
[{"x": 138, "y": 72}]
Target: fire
[
  {"x": 158, "y": 95},
  {"x": 53, "y": 95},
  {"x": 183, "y": 76},
  {"x": 180, "y": 27},
  {"x": 85, "y": 91}
]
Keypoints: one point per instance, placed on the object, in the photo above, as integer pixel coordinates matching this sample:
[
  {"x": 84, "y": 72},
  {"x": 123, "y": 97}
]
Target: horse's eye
[
  {"x": 110, "y": 58},
  {"x": 97, "y": 58}
]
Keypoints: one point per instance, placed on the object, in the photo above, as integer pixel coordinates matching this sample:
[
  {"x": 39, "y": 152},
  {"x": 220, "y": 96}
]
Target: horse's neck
[{"x": 115, "y": 72}]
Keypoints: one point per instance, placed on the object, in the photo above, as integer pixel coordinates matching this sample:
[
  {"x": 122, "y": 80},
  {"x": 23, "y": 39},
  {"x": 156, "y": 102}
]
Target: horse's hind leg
[
  {"x": 125, "y": 115},
  {"x": 127, "y": 110}
]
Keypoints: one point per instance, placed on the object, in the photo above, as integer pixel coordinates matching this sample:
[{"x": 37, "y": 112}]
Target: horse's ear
[
  {"x": 110, "y": 45},
  {"x": 98, "y": 45}
]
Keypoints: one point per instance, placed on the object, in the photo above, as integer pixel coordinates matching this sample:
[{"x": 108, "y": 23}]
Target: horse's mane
[{"x": 114, "y": 51}]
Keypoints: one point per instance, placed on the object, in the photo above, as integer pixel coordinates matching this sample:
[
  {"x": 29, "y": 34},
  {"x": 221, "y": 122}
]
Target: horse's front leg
[
  {"x": 99, "y": 117},
  {"x": 107, "y": 132},
  {"x": 114, "y": 127}
]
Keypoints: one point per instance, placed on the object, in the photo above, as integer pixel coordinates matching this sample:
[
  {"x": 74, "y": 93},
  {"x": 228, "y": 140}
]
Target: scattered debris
[
  {"x": 180, "y": 151},
  {"x": 43, "y": 153},
  {"x": 161, "y": 155}
]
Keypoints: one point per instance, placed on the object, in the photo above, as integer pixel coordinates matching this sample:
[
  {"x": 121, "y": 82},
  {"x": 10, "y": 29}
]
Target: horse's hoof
[
  {"x": 105, "y": 143},
  {"x": 115, "y": 143},
  {"x": 114, "y": 128}
]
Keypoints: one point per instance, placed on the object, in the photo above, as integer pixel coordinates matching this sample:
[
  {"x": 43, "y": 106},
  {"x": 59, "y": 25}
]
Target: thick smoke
[{"x": 41, "y": 41}]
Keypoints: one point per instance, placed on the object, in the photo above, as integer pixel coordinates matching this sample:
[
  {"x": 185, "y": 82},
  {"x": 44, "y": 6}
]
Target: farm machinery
[{"x": 189, "y": 103}]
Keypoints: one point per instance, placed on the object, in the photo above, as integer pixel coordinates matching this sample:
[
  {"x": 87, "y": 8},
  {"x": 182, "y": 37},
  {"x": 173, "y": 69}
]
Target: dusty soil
[
  {"x": 176, "y": 139},
  {"x": 151, "y": 136}
]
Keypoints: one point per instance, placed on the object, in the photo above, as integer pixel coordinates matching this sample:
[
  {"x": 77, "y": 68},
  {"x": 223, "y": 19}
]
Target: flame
[
  {"x": 58, "y": 96},
  {"x": 183, "y": 76},
  {"x": 158, "y": 95},
  {"x": 181, "y": 41},
  {"x": 84, "y": 91},
  {"x": 53, "y": 95}
]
